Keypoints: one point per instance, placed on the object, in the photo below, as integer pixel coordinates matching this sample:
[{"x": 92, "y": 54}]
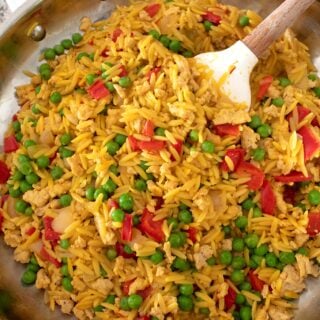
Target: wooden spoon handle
[{"x": 271, "y": 28}]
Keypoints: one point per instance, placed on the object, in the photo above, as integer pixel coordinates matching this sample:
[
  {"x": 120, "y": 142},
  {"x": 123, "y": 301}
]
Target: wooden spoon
[{"x": 231, "y": 68}]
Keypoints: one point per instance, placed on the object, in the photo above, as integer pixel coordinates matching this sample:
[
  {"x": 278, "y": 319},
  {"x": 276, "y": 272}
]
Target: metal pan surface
[{"x": 19, "y": 52}]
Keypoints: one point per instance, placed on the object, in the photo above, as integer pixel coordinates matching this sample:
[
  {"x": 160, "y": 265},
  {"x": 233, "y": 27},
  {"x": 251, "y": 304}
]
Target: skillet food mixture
[{"x": 132, "y": 189}]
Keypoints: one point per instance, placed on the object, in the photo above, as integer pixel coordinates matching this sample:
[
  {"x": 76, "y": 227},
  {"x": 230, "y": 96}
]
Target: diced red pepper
[
  {"x": 4, "y": 172},
  {"x": 120, "y": 251},
  {"x": 151, "y": 146},
  {"x": 104, "y": 53},
  {"x": 313, "y": 227},
  {"x": 148, "y": 129},
  {"x": 154, "y": 71},
  {"x": 302, "y": 112},
  {"x": 227, "y": 130},
  {"x": 1, "y": 221},
  {"x": 123, "y": 71},
  {"x": 159, "y": 202},
  {"x": 145, "y": 293},
  {"x": 264, "y": 85},
  {"x": 256, "y": 283},
  {"x": 133, "y": 143},
  {"x": 30, "y": 231},
  {"x": 112, "y": 204},
  {"x": 98, "y": 90},
  {"x": 44, "y": 254},
  {"x": 236, "y": 155},
  {"x": 268, "y": 198},
  {"x": 49, "y": 233},
  {"x": 289, "y": 194},
  {"x": 125, "y": 287},
  {"x": 293, "y": 176},
  {"x": 14, "y": 117},
  {"x": 116, "y": 34},
  {"x": 230, "y": 298},
  {"x": 53, "y": 157},
  {"x": 311, "y": 141},
  {"x": 192, "y": 234},
  {"x": 151, "y": 228},
  {"x": 152, "y": 9},
  {"x": 10, "y": 144},
  {"x": 213, "y": 18},
  {"x": 256, "y": 174},
  {"x": 126, "y": 234},
  {"x": 178, "y": 146}
]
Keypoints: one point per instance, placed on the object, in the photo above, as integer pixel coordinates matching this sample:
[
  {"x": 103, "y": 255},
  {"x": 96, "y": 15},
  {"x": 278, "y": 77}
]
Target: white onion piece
[
  {"x": 36, "y": 246},
  {"x": 62, "y": 220}
]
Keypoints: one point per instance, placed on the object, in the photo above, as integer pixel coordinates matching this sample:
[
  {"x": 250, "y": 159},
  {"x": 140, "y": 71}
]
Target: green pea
[
  {"x": 211, "y": 261},
  {"x": 264, "y": 130},
  {"x": 17, "y": 176},
  {"x": 271, "y": 260},
  {"x": 245, "y": 313},
  {"x": 135, "y": 301},
  {"x": 256, "y": 213},
  {"x": 225, "y": 257},
  {"x": 49, "y": 54},
  {"x": 316, "y": 91},
  {"x": 66, "y": 43},
  {"x": 160, "y": 132},
  {"x": 255, "y": 122},
  {"x": 155, "y": 34},
  {"x": 110, "y": 87},
  {"x": 177, "y": 239},
  {"x": 64, "y": 270},
  {"x": 280, "y": 266},
  {"x": 185, "y": 303},
  {"x": 29, "y": 143},
  {"x": 165, "y": 41},
  {"x": 287, "y": 257},
  {"x": 32, "y": 178},
  {"x": 37, "y": 89},
  {"x": 16, "y": 125},
  {"x": 99, "y": 191},
  {"x": 244, "y": 21},
  {"x": 111, "y": 253},
  {"x": 65, "y": 200},
  {"x": 255, "y": 261},
  {"x": 157, "y": 257},
  {"x": 237, "y": 277},
  {"x": 240, "y": 298},
  {"x": 21, "y": 206},
  {"x": 278, "y": 102},
  {"x": 261, "y": 250},
  {"x": 45, "y": 74},
  {"x": 110, "y": 186},
  {"x": 25, "y": 186},
  {"x": 65, "y": 139},
  {"x": 258, "y": 154},
  {"x": 125, "y": 82},
  {"x": 237, "y": 244},
  {"x": 245, "y": 286},
  {"x": 284, "y": 82},
  {"x": 208, "y": 147},
  {"x": 175, "y": 46},
  {"x": 120, "y": 139},
  {"x": 43, "y": 162},
  {"x": 111, "y": 299},
  {"x": 44, "y": 66},
  {"x": 33, "y": 267},
  {"x": 181, "y": 264},
  {"x": 90, "y": 193},
  {"x": 114, "y": 169},
  {"x": 65, "y": 152},
  {"x": 194, "y": 135},
  {"x": 28, "y": 212},
  {"x": 19, "y": 136},
  {"x": 126, "y": 202},
  {"x": 173, "y": 222},
  {"x": 56, "y": 172},
  {"x": 304, "y": 251},
  {"x": 251, "y": 240},
  {"x": 98, "y": 308},
  {"x": 143, "y": 165},
  {"x": 312, "y": 77},
  {"x": 26, "y": 168},
  {"x": 28, "y": 277},
  {"x": 187, "y": 54},
  {"x": 185, "y": 216},
  {"x": 66, "y": 284},
  {"x": 140, "y": 185},
  {"x": 207, "y": 25},
  {"x": 112, "y": 147},
  {"x": 186, "y": 289},
  {"x": 64, "y": 244},
  {"x": 226, "y": 230},
  {"x": 241, "y": 222},
  {"x": 238, "y": 262},
  {"x": 124, "y": 305},
  {"x": 59, "y": 49},
  {"x": 136, "y": 220},
  {"x": 314, "y": 197},
  {"x": 76, "y": 38},
  {"x": 247, "y": 204},
  {"x": 55, "y": 97},
  {"x": 35, "y": 109},
  {"x": 127, "y": 249},
  {"x": 117, "y": 215},
  {"x": 15, "y": 193}
]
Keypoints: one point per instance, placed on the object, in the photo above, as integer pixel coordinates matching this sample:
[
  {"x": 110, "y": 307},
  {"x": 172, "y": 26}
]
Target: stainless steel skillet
[{"x": 19, "y": 52}]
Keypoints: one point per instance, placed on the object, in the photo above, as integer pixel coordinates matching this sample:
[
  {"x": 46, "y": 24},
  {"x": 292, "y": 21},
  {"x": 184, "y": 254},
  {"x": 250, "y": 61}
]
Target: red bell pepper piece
[
  {"x": 256, "y": 283},
  {"x": 268, "y": 199},
  {"x": 151, "y": 228},
  {"x": 311, "y": 141},
  {"x": 289, "y": 194},
  {"x": 123, "y": 71},
  {"x": 159, "y": 202},
  {"x": 223, "y": 130},
  {"x": 133, "y": 143},
  {"x": 236, "y": 155},
  {"x": 112, "y": 204},
  {"x": 151, "y": 146},
  {"x": 116, "y": 34},
  {"x": 104, "y": 53},
  {"x": 49, "y": 233},
  {"x": 30, "y": 231},
  {"x": 98, "y": 90},
  {"x": 125, "y": 287},
  {"x": 257, "y": 175},
  {"x": 178, "y": 146},
  {"x": 148, "y": 129},
  {"x": 313, "y": 227},
  {"x": 10, "y": 144},
  {"x": 44, "y": 254},
  {"x": 4, "y": 172},
  {"x": 230, "y": 298},
  {"x": 293, "y": 176},
  {"x": 265, "y": 83},
  {"x": 213, "y": 18},
  {"x": 192, "y": 234},
  {"x": 14, "y": 117},
  {"x": 152, "y": 9},
  {"x": 145, "y": 293},
  {"x": 154, "y": 71},
  {"x": 126, "y": 234},
  {"x": 120, "y": 251}
]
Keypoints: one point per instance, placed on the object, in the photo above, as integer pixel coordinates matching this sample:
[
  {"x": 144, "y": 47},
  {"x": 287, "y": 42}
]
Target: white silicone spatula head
[{"x": 231, "y": 68}]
